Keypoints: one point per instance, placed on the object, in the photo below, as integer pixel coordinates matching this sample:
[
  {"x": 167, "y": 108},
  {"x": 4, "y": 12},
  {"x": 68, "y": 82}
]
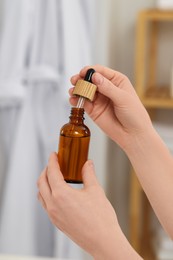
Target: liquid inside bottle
[{"x": 73, "y": 146}]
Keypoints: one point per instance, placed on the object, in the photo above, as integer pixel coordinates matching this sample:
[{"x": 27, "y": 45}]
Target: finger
[
  {"x": 117, "y": 78},
  {"x": 74, "y": 79},
  {"x": 105, "y": 71},
  {"x": 107, "y": 88},
  {"x": 73, "y": 101},
  {"x": 43, "y": 186},
  {"x": 71, "y": 91},
  {"x": 88, "y": 174},
  {"x": 119, "y": 96},
  {"x": 54, "y": 174}
]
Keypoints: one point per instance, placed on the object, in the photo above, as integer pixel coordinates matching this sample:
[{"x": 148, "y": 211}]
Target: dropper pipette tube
[{"x": 80, "y": 103}]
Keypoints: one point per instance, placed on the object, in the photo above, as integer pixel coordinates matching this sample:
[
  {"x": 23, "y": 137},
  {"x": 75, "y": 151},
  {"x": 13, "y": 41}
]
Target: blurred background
[{"x": 42, "y": 44}]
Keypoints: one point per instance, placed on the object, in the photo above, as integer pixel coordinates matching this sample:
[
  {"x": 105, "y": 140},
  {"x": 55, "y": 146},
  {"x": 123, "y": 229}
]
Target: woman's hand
[
  {"x": 85, "y": 215},
  {"x": 116, "y": 109}
]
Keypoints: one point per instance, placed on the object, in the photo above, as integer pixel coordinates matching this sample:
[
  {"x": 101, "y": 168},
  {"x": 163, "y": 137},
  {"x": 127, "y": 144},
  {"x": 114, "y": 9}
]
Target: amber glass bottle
[
  {"x": 73, "y": 146},
  {"x": 75, "y": 136}
]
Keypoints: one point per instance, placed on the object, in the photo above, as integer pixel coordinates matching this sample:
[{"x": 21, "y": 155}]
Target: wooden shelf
[
  {"x": 157, "y": 97},
  {"x": 158, "y": 14}
]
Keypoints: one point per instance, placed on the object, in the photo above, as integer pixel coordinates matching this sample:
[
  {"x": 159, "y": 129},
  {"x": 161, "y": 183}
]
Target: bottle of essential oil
[{"x": 75, "y": 135}]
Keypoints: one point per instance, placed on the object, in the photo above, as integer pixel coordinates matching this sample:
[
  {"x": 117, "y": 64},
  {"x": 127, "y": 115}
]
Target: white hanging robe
[{"x": 53, "y": 44}]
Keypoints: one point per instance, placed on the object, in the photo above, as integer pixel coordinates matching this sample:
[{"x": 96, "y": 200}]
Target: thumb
[
  {"x": 88, "y": 174},
  {"x": 107, "y": 88}
]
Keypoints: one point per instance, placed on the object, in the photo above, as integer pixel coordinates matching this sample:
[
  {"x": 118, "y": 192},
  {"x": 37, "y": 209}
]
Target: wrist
[
  {"x": 140, "y": 143},
  {"x": 116, "y": 246}
]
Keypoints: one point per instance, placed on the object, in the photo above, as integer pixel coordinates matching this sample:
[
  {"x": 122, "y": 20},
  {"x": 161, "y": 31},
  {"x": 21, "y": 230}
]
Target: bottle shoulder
[{"x": 75, "y": 130}]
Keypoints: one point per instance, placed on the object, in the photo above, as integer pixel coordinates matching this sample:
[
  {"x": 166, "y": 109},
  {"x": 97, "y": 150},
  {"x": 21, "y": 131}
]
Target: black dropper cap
[{"x": 88, "y": 76}]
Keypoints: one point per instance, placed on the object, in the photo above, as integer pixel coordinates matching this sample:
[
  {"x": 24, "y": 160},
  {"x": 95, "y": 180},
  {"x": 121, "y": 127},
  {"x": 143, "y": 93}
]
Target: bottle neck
[{"x": 77, "y": 115}]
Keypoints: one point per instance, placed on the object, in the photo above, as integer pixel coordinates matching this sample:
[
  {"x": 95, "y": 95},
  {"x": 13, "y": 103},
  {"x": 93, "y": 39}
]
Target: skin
[
  {"x": 95, "y": 226},
  {"x": 85, "y": 215}
]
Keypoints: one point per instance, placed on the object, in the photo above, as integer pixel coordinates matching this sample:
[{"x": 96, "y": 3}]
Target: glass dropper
[{"x": 86, "y": 91}]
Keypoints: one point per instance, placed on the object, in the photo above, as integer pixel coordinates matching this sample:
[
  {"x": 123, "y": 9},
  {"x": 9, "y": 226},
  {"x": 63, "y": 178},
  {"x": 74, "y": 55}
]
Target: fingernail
[{"x": 97, "y": 78}]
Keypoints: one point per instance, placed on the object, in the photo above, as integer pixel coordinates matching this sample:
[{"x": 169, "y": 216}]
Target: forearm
[
  {"x": 153, "y": 165},
  {"x": 115, "y": 246}
]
